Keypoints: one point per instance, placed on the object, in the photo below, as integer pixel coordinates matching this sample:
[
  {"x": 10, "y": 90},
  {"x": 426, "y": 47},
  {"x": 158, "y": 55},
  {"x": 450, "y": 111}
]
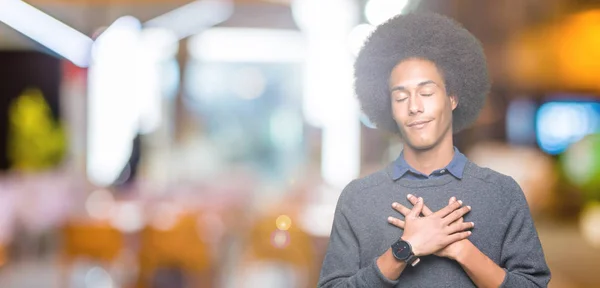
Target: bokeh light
[
  {"x": 99, "y": 204},
  {"x": 249, "y": 83},
  {"x": 98, "y": 278},
  {"x": 520, "y": 122},
  {"x": 358, "y": 36},
  {"x": 283, "y": 222},
  {"x": 379, "y": 11},
  {"x": 559, "y": 124},
  {"x": 589, "y": 223},
  {"x": 165, "y": 216},
  {"x": 128, "y": 217},
  {"x": 280, "y": 239},
  {"x": 581, "y": 165}
]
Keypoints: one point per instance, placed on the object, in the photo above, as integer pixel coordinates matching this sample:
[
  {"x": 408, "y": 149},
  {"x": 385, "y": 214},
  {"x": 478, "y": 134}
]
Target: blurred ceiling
[
  {"x": 500, "y": 17},
  {"x": 504, "y": 27},
  {"x": 87, "y": 16}
]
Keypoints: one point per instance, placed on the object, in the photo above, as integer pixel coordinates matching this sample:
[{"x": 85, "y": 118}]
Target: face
[{"x": 420, "y": 105}]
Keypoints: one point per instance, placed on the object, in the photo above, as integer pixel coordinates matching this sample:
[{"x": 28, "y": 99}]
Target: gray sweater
[{"x": 504, "y": 230}]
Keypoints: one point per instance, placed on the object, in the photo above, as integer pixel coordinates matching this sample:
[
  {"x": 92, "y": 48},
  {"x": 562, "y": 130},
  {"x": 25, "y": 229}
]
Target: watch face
[{"x": 402, "y": 250}]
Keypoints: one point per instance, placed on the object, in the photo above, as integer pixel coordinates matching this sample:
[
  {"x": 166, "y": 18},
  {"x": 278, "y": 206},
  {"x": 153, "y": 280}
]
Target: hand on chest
[
  {"x": 473, "y": 207},
  {"x": 433, "y": 202}
]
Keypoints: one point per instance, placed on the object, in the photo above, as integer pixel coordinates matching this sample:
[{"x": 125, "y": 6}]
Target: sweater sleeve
[
  {"x": 522, "y": 256},
  {"x": 341, "y": 266}
]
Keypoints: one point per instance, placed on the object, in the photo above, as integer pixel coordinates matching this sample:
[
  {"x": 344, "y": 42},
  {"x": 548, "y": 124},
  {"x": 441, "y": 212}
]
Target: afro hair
[{"x": 457, "y": 54}]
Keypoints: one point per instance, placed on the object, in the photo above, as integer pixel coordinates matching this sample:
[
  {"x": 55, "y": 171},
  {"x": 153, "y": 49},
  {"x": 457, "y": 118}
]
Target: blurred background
[{"x": 178, "y": 143}]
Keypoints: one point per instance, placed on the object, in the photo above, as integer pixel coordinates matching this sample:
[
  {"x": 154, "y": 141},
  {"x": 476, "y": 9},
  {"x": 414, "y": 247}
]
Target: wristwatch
[{"x": 403, "y": 252}]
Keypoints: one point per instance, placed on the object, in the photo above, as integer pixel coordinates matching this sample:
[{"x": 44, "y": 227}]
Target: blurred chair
[
  {"x": 3, "y": 256},
  {"x": 277, "y": 258},
  {"x": 168, "y": 277},
  {"x": 93, "y": 241},
  {"x": 173, "y": 252}
]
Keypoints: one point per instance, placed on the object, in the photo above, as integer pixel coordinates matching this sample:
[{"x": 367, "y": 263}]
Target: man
[{"x": 424, "y": 77}]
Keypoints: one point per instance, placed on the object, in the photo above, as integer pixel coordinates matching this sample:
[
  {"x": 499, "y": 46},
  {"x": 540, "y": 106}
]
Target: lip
[{"x": 418, "y": 123}]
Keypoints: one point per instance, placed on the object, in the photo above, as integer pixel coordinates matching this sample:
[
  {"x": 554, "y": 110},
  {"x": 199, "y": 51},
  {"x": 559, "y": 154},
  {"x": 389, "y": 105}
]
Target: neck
[{"x": 428, "y": 160}]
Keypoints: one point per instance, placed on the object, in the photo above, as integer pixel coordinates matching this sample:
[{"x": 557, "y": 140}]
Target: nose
[{"x": 415, "y": 105}]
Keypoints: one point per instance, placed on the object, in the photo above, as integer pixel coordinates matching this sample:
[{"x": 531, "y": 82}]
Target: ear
[{"x": 453, "y": 102}]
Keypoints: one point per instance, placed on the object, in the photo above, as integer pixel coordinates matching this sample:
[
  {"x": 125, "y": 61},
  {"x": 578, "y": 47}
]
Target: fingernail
[
  {"x": 394, "y": 204},
  {"x": 472, "y": 224},
  {"x": 409, "y": 196},
  {"x": 420, "y": 199},
  {"x": 453, "y": 199},
  {"x": 469, "y": 232},
  {"x": 469, "y": 207},
  {"x": 460, "y": 202},
  {"x": 390, "y": 219}
]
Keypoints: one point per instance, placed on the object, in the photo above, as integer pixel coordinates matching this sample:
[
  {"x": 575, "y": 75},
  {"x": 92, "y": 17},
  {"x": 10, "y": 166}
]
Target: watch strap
[{"x": 413, "y": 260}]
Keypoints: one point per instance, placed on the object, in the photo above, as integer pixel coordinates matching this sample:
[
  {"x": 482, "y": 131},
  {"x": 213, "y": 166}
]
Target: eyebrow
[{"x": 402, "y": 88}]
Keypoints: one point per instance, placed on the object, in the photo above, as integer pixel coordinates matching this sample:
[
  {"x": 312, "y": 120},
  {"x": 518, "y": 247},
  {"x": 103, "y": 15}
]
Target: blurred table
[{"x": 573, "y": 262}]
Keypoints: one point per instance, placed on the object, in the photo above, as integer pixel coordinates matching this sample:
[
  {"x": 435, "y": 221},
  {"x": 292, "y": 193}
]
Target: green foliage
[{"x": 36, "y": 141}]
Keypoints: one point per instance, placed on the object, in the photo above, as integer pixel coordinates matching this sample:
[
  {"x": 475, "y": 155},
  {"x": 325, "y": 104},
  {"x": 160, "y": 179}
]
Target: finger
[
  {"x": 458, "y": 236},
  {"x": 413, "y": 200},
  {"x": 458, "y": 227},
  {"x": 457, "y": 214},
  {"x": 448, "y": 209},
  {"x": 396, "y": 222},
  {"x": 460, "y": 220},
  {"x": 416, "y": 211},
  {"x": 401, "y": 208},
  {"x": 452, "y": 199}
]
